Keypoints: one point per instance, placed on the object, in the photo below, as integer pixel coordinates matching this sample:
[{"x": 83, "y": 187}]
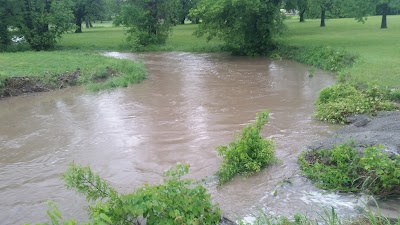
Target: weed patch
[
  {"x": 344, "y": 169},
  {"x": 325, "y": 58},
  {"x": 341, "y": 100},
  {"x": 248, "y": 154},
  {"x": 175, "y": 201}
]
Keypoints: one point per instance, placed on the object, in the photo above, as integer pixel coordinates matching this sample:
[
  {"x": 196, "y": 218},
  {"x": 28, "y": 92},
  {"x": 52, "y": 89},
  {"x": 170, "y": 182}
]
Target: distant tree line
[
  {"x": 246, "y": 26},
  {"x": 358, "y": 9},
  {"x": 42, "y": 22}
]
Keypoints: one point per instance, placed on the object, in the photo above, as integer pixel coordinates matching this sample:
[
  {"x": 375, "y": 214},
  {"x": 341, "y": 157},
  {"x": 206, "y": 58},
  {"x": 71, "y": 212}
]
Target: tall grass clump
[
  {"x": 344, "y": 169},
  {"x": 328, "y": 217},
  {"x": 322, "y": 57},
  {"x": 126, "y": 72},
  {"x": 341, "y": 100},
  {"x": 248, "y": 154}
]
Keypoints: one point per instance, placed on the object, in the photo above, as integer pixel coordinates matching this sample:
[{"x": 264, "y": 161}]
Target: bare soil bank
[{"x": 365, "y": 131}]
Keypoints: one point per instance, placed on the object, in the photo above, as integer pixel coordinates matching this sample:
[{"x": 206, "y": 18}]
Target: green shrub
[
  {"x": 175, "y": 201},
  {"x": 342, "y": 168},
  {"x": 248, "y": 154},
  {"x": 341, "y": 100}
]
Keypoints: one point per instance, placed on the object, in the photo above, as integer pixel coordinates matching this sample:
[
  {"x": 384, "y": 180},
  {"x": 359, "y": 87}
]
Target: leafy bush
[
  {"x": 246, "y": 27},
  {"x": 175, "y": 201},
  {"x": 342, "y": 168},
  {"x": 248, "y": 154},
  {"x": 337, "y": 102}
]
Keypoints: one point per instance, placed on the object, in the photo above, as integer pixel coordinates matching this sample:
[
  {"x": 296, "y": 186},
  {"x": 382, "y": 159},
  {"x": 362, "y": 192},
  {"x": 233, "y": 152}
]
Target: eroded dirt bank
[{"x": 365, "y": 131}]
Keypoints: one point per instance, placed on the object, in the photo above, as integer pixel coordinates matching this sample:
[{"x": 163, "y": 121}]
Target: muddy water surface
[{"x": 190, "y": 104}]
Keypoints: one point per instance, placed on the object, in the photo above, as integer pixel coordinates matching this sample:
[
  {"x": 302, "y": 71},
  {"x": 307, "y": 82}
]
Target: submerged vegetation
[
  {"x": 345, "y": 169},
  {"x": 248, "y": 154},
  {"x": 329, "y": 217}
]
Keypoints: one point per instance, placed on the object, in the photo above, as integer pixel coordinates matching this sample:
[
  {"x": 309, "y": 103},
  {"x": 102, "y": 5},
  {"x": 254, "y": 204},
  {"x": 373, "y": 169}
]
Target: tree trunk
[
  {"x": 4, "y": 37},
  {"x": 322, "y": 18},
  {"x": 182, "y": 21},
  {"x": 78, "y": 24},
  {"x": 302, "y": 15},
  {"x": 90, "y": 24},
  {"x": 385, "y": 9},
  {"x": 87, "y": 22}
]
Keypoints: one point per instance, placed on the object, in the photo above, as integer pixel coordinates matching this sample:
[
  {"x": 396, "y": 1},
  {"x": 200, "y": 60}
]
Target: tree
[
  {"x": 184, "y": 8},
  {"x": 149, "y": 21},
  {"x": 44, "y": 21},
  {"x": 10, "y": 16},
  {"x": 246, "y": 27},
  {"x": 325, "y": 6},
  {"x": 363, "y": 8},
  {"x": 300, "y": 5},
  {"x": 85, "y": 10}
]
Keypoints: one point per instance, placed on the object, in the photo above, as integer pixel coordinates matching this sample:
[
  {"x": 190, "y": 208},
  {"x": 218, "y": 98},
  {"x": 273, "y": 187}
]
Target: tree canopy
[
  {"x": 246, "y": 27},
  {"x": 149, "y": 21},
  {"x": 40, "y": 22},
  {"x": 300, "y": 5},
  {"x": 364, "y": 8}
]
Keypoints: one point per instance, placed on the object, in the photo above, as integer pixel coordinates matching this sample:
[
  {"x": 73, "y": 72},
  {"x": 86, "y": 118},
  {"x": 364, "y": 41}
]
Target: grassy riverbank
[
  {"x": 377, "y": 49},
  {"x": 51, "y": 70}
]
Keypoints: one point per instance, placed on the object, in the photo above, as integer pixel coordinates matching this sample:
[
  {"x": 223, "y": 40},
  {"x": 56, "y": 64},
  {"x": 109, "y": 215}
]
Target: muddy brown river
[{"x": 190, "y": 104}]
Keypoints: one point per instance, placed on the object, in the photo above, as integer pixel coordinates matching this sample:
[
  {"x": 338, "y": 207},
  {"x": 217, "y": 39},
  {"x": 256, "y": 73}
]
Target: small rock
[{"x": 359, "y": 120}]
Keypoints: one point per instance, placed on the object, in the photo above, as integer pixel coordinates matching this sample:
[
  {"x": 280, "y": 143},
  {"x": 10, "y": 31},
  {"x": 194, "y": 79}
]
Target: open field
[
  {"x": 378, "y": 49},
  {"x": 106, "y": 37}
]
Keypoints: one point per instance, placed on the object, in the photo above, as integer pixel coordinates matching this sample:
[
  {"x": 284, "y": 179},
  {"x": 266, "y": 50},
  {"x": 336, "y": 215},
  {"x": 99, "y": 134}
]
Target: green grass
[
  {"x": 378, "y": 49},
  {"x": 95, "y": 39},
  {"x": 109, "y": 38},
  {"x": 49, "y": 65}
]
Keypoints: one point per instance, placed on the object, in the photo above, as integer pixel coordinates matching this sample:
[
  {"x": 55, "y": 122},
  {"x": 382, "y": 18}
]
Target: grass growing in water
[
  {"x": 175, "y": 201},
  {"x": 342, "y": 168},
  {"x": 248, "y": 154},
  {"x": 329, "y": 217}
]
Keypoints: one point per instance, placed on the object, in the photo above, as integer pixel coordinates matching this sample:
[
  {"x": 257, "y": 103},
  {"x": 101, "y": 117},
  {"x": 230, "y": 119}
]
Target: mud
[
  {"x": 18, "y": 85},
  {"x": 365, "y": 131}
]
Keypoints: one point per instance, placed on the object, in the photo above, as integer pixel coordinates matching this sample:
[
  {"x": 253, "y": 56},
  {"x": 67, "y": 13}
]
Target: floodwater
[{"x": 189, "y": 105}]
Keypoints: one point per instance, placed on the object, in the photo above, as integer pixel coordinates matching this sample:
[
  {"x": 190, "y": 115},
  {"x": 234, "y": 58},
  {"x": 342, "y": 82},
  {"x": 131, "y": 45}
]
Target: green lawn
[
  {"x": 378, "y": 49},
  {"x": 106, "y": 37}
]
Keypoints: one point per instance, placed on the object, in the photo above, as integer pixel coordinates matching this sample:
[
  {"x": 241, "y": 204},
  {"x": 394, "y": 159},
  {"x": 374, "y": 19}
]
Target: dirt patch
[
  {"x": 14, "y": 86},
  {"x": 365, "y": 131}
]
